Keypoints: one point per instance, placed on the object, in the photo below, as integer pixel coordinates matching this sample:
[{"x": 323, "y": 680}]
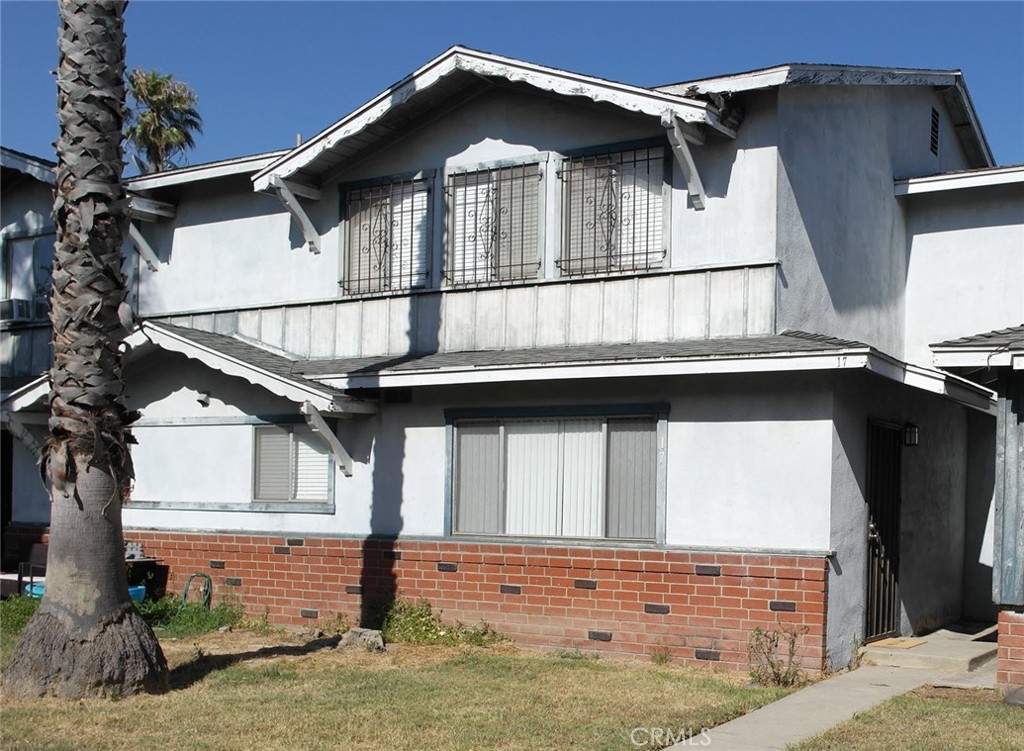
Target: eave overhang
[
  {"x": 960, "y": 180},
  {"x": 245, "y": 165},
  {"x": 1002, "y": 348},
  {"x": 863, "y": 358},
  {"x": 35, "y": 167},
  {"x": 457, "y": 70},
  {"x": 949, "y": 83}
]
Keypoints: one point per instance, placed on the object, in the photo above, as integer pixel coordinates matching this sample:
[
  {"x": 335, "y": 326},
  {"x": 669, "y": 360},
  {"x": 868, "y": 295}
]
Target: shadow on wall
[{"x": 378, "y": 578}]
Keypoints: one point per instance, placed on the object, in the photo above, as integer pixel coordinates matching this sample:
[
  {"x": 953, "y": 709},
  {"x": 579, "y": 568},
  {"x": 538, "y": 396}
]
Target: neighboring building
[{"x": 607, "y": 367}]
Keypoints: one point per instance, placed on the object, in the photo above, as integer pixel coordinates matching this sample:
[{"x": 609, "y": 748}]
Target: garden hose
[{"x": 207, "y": 591}]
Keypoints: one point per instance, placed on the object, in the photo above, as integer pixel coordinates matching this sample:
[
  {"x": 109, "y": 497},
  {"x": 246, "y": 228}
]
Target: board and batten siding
[{"x": 694, "y": 304}]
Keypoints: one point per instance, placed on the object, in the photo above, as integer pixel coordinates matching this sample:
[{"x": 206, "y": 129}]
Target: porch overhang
[
  {"x": 787, "y": 352},
  {"x": 460, "y": 70}
]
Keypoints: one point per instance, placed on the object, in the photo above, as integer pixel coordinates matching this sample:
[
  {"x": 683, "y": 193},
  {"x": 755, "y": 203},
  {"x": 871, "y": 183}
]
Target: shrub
[
  {"x": 772, "y": 657},
  {"x": 416, "y": 623}
]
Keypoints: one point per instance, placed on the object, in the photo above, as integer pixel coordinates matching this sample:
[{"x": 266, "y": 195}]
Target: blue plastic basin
[{"x": 137, "y": 592}]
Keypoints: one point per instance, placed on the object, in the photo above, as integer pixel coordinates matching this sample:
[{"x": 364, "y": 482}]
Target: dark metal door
[{"x": 883, "y": 491}]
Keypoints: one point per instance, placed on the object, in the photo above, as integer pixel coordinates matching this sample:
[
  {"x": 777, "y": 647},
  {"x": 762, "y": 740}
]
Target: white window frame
[
  {"x": 291, "y": 429},
  {"x": 459, "y": 418}
]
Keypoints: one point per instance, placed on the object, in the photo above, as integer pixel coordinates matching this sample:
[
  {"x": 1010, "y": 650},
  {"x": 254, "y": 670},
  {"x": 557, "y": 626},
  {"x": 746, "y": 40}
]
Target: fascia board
[
  {"x": 632, "y": 98},
  {"x": 958, "y": 180},
  {"x": 29, "y": 395},
  {"x": 959, "y": 389},
  {"x": 42, "y": 172},
  {"x": 240, "y": 166},
  {"x": 963, "y": 357},
  {"x": 778, "y": 362},
  {"x": 823, "y": 75}
]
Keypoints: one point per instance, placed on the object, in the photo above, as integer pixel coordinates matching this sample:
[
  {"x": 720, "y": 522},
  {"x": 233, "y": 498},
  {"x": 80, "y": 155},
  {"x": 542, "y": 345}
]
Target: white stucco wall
[
  {"x": 841, "y": 235},
  {"x": 229, "y": 247},
  {"x": 965, "y": 273},
  {"x": 747, "y": 466}
]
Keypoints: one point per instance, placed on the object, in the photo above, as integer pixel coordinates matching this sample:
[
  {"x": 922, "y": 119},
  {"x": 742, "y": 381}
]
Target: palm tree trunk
[{"x": 87, "y": 638}]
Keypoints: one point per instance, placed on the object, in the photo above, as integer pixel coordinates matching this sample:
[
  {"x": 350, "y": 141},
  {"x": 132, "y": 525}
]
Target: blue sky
[{"x": 265, "y": 71}]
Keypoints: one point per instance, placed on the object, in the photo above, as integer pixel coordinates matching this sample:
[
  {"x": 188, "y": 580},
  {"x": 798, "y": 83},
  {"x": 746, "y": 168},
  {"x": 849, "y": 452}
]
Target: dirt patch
[{"x": 965, "y": 695}]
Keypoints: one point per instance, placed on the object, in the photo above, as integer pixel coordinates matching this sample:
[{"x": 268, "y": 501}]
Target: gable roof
[
  {"x": 950, "y": 85},
  {"x": 461, "y": 70}
]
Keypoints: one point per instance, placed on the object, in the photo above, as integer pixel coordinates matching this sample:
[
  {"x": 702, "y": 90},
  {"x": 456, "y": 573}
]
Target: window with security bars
[
  {"x": 292, "y": 464},
  {"x": 388, "y": 236},
  {"x": 582, "y": 477},
  {"x": 493, "y": 225},
  {"x": 612, "y": 211}
]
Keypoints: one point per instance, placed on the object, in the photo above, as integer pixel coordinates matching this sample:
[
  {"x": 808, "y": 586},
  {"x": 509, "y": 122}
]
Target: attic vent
[{"x": 934, "y": 141}]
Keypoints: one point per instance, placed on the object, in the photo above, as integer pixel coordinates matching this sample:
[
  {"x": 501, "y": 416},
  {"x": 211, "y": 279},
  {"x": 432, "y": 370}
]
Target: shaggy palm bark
[{"x": 87, "y": 638}]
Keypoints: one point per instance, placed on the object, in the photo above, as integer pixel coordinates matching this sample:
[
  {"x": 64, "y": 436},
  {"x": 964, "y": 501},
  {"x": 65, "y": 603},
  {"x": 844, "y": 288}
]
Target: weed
[
  {"x": 575, "y": 654},
  {"x": 772, "y": 656},
  {"x": 661, "y": 655},
  {"x": 416, "y": 623},
  {"x": 176, "y": 619},
  {"x": 259, "y": 624}
]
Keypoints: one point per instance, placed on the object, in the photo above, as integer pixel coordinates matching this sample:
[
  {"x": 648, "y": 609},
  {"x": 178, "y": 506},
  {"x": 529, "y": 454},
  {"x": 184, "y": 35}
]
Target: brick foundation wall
[
  {"x": 1010, "y": 656},
  {"x": 700, "y": 607}
]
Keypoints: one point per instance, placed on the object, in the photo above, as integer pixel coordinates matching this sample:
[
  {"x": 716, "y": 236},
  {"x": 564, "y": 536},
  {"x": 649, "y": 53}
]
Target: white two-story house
[{"x": 608, "y": 367}]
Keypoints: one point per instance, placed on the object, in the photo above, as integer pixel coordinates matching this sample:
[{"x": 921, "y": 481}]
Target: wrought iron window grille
[
  {"x": 493, "y": 225},
  {"x": 388, "y": 237},
  {"x": 612, "y": 208}
]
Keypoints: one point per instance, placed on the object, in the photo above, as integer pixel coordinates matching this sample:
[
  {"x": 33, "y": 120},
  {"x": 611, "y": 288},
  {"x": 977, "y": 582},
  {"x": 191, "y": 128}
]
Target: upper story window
[
  {"x": 494, "y": 225},
  {"x": 612, "y": 211},
  {"x": 388, "y": 236},
  {"x": 28, "y": 274},
  {"x": 292, "y": 464}
]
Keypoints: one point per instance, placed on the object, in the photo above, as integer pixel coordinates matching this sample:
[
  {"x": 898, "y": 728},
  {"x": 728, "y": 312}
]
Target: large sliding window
[
  {"x": 493, "y": 225},
  {"x": 575, "y": 476},
  {"x": 612, "y": 211},
  {"x": 388, "y": 236},
  {"x": 292, "y": 464}
]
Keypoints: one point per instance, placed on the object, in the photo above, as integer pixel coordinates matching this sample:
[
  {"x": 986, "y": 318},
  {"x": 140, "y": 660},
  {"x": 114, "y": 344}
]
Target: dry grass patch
[
  {"x": 929, "y": 719},
  {"x": 249, "y": 691}
]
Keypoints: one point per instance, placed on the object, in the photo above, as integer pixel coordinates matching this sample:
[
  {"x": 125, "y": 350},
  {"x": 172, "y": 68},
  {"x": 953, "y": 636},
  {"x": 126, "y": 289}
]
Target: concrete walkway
[{"x": 817, "y": 708}]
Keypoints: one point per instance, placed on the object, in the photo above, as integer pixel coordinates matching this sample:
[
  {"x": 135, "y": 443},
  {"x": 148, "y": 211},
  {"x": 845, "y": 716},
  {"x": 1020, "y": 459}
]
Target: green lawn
[
  {"x": 244, "y": 690},
  {"x": 928, "y": 720}
]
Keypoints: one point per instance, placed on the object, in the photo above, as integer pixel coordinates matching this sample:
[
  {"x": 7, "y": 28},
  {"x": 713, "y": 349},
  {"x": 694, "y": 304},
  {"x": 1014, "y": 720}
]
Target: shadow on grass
[{"x": 193, "y": 671}]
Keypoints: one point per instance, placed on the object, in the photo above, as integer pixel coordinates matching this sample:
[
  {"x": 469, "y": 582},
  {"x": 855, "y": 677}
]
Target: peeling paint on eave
[
  {"x": 624, "y": 96},
  {"x": 817, "y": 75}
]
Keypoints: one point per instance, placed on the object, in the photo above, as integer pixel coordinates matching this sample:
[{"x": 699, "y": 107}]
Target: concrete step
[{"x": 944, "y": 650}]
